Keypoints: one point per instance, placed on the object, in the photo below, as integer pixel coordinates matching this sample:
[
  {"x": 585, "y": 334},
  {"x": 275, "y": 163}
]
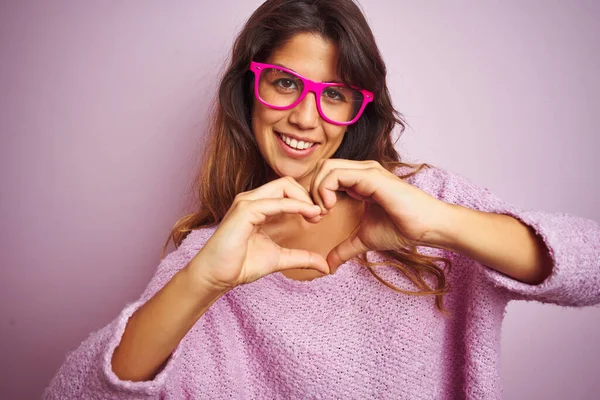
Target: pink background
[{"x": 103, "y": 111}]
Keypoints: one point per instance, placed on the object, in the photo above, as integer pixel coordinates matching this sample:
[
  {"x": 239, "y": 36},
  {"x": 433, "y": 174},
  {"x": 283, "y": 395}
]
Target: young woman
[{"x": 272, "y": 291}]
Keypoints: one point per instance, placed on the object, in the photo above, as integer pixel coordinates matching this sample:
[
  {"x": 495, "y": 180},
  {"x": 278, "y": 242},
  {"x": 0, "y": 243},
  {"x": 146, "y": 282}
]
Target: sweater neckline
[
  {"x": 340, "y": 274},
  {"x": 344, "y": 270}
]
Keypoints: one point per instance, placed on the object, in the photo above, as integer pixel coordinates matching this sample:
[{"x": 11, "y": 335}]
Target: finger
[
  {"x": 358, "y": 183},
  {"x": 285, "y": 187},
  {"x": 327, "y": 200},
  {"x": 344, "y": 251},
  {"x": 295, "y": 258},
  {"x": 316, "y": 219},
  {"x": 314, "y": 184},
  {"x": 257, "y": 211},
  {"x": 247, "y": 215},
  {"x": 300, "y": 193},
  {"x": 355, "y": 195},
  {"x": 297, "y": 184},
  {"x": 291, "y": 187}
]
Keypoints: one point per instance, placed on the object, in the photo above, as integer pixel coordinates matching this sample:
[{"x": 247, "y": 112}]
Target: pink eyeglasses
[{"x": 281, "y": 89}]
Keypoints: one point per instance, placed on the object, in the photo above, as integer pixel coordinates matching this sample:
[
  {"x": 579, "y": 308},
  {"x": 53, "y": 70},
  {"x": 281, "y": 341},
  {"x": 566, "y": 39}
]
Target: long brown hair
[{"x": 232, "y": 143}]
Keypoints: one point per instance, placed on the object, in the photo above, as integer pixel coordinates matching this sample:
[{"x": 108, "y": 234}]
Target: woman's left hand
[{"x": 394, "y": 211}]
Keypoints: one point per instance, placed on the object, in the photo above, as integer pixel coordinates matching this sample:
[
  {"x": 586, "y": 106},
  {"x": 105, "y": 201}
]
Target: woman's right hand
[{"x": 240, "y": 252}]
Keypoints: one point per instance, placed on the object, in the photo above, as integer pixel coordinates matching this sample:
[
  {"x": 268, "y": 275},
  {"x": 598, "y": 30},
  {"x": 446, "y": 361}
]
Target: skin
[
  {"x": 335, "y": 209},
  {"x": 315, "y": 58},
  {"x": 363, "y": 206}
]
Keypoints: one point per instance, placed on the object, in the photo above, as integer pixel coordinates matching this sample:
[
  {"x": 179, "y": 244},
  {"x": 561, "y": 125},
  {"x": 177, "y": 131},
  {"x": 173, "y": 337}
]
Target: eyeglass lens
[{"x": 281, "y": 89}]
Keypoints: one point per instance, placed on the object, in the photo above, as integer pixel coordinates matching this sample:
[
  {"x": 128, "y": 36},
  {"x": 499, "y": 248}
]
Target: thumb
[
  {"x": 346, "y": 250},
  {"x": 294, "y": 258}
]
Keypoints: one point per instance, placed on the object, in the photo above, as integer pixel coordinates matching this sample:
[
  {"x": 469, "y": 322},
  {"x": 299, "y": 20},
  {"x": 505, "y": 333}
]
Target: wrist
[
  {"x": 198, "y": 283},
  {"x": 445, "y": 233}
]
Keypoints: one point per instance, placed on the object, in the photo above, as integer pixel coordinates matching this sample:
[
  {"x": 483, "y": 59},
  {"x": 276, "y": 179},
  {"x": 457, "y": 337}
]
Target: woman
[{"x": 271, "y": 292}]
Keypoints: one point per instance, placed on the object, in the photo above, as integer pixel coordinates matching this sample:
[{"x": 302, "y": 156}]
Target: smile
[
  {"x": 295, "y": 144},
  {"x": 295, "y": 148}
]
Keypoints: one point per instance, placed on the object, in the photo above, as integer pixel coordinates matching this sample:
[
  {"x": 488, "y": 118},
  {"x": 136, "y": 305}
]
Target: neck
[{"x": 305, "y": 180}]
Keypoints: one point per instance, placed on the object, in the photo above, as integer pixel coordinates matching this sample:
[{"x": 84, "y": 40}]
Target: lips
[{"x": 293, "y": 152}]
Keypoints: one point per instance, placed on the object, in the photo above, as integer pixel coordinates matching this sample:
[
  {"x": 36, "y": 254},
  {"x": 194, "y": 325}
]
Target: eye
[
  {"x": 333, "y": 94},
  {"x": 286, "y": 83}
]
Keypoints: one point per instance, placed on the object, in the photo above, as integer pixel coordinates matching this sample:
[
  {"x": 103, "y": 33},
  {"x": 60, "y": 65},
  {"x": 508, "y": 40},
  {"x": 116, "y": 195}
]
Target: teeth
[{"x": 299, "y": 145}]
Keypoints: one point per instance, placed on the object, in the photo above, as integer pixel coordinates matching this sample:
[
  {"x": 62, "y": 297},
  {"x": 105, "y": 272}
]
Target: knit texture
[{"x": 345, "y": 335}]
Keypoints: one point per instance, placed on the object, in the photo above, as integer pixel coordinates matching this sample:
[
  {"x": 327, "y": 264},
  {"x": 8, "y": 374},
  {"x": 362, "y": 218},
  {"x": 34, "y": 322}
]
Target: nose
[{"x": 305, "y": 115}]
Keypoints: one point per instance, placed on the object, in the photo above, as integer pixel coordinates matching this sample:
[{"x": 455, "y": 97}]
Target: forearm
[
  {"x": 498, "y": 241},
  {"x": 156, "y": 328}
]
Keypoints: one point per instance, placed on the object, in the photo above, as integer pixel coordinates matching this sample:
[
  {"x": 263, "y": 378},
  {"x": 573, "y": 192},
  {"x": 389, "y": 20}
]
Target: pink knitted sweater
[{"x": 347, "y": 336}]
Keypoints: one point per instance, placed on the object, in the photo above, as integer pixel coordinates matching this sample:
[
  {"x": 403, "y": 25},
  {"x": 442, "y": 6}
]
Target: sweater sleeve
[
  {"x": 572, "y": 242},
  {"x": 87, "y": 371}
]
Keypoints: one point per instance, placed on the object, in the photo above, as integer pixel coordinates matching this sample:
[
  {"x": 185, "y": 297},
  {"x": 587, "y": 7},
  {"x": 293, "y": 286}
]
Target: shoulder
[
  {"x": 187, "y": 249},
  {"x": 197, "y": 238}
]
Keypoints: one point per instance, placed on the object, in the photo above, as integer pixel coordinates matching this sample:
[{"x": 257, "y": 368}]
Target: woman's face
[{"x": 316, "y": 59}]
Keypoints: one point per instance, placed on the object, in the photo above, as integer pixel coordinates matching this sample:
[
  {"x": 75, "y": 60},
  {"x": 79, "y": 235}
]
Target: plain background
[{"x": 103, "y": 111}]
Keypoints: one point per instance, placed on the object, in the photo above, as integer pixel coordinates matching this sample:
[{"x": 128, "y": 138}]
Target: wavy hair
[{"x": 231, "y": 141}]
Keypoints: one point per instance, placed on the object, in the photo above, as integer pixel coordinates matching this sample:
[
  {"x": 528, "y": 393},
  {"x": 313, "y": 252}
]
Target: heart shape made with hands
[
  {"x": 395, "y": 213},
  {"x": 321, "y": 234},
  {"x": 254, "y": 237}
]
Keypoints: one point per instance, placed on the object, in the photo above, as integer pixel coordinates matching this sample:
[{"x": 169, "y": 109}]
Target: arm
[
  {"x": 562, "y": 267},
  {"x": 155, "y": 329},
  {"x": 88, "y": 371},
  {"x": 499, "y": 241}
]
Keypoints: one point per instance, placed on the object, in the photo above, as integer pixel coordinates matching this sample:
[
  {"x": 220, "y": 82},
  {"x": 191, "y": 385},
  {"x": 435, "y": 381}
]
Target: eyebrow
[{"x": 328, "y": 81}]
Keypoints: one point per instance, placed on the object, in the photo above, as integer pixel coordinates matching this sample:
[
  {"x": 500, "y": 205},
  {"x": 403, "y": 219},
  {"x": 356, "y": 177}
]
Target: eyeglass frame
[{"x": 309, "y": 86}]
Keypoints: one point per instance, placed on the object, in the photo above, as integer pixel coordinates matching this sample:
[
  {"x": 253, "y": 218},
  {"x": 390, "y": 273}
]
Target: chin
[
  {"x": 285, "y": 168},
  {"x": 294, "y": 171}
]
